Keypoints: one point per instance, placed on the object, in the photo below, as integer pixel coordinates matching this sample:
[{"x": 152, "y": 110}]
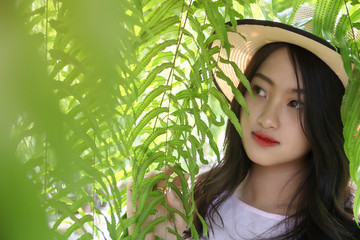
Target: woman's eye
[
  {"x": 259, "y": 91},
  {"x": 296, "y": 104}
]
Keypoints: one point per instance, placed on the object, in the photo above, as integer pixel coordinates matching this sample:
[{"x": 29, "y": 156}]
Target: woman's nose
[{"x": 269, "y": 116}]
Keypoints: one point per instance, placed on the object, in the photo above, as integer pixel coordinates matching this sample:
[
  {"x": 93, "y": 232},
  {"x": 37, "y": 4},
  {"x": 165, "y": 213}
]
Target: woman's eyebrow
[
  {"x": 271, "y": 82},
  {"x": 294, "y": 90},
  {"x": 265, "y": 78}
]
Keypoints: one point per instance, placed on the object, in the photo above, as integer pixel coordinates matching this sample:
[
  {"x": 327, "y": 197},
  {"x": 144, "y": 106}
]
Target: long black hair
[{"x": 321, "y": 198}]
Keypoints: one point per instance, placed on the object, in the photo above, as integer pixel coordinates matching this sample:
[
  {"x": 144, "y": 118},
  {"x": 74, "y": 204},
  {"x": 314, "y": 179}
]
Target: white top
[{"x": 242, "y": 221}]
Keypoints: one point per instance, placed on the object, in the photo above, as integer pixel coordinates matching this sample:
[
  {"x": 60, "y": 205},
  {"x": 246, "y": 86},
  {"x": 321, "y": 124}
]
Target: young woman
[{"x": 287, "y": 177}]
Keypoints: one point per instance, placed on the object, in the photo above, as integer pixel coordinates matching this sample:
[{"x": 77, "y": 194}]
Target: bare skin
[{"x": 269, "y": 190}]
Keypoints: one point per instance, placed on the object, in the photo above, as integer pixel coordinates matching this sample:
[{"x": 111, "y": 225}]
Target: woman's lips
[{"x": 264, "y": 140}]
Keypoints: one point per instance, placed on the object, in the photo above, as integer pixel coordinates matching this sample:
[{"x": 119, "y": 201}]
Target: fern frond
[
  {"x": 145, "y": 120},
  {"x": 325, "y": 15},
  {"x": 237, "y": 94},
  {"x": 350, "y": 112},
  {"x": 218, "y": 22},
  {"x": 295, "y": 6},
  {"x": 224, "y": 106}
]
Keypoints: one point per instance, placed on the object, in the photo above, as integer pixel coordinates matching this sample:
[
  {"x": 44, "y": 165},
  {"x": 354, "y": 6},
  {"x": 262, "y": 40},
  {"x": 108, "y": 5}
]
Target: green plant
[{"x": 95, "y": 93}]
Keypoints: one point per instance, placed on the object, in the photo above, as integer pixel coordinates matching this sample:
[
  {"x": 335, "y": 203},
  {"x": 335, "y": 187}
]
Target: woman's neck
[{"x": 270, "y": 188}]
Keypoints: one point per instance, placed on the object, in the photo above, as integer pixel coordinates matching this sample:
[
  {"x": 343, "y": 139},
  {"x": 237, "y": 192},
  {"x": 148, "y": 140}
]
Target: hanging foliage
[{"x": 95, "y": 94}]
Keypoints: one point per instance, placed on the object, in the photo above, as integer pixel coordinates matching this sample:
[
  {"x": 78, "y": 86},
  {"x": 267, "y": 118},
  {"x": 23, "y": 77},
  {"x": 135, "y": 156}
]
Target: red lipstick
[{"x": 264, "y": 140}]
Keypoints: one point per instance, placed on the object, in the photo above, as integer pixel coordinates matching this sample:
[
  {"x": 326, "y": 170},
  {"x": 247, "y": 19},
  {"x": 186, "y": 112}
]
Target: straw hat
[{"x": 259, "y": 33}]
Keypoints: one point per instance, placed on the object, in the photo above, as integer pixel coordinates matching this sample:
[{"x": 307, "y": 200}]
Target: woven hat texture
[{"x": 259, "y": 33}]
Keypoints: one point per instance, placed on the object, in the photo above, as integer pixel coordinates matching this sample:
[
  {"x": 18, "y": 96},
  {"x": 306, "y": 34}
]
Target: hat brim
[{"x": 259, "y": 33}]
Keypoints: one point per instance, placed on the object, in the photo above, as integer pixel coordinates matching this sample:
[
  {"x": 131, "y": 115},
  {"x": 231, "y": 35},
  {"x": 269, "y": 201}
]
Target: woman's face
[{"x": 272, "y": 134}]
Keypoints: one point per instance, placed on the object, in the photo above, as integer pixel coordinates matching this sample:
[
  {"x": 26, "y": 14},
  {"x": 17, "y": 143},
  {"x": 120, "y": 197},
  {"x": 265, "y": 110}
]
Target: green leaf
[
  {"x": 143, "y": 165},
  {"x": 78, "y": 224},
  {"x": 143, "y": 122},
  {"x": 350, "y": 112},
  {"x": 150, "y": 227},
  {"x": 73, "y": 208},
  {"x": 150, "y": 97},
  {"x": 243, "y": 79},
  {"x": 151, "y": 54},
  {"x": 146, "y": 187},
  {"x": 158, "y": 15},
  {"x": 211, "y": 116},
  {"x": 158, "y": 29},
  {"x": 295, "y": 7},
  {"x": 150, "y": 139},
  {"x": 225, "y": 107},
  {"x": 149, "y": 208},
  {"x": 356, "y": 207},
  {"x": 151, "y": 76},
  {"x": 342, "y": 28},
  {"x": 325, "y": 15},
  {"x": 218, "y": 22},
  {"x": 237, "y": 94},
  {"x": 60, "y": 55},
  {"x": 86, "y": 236}
]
